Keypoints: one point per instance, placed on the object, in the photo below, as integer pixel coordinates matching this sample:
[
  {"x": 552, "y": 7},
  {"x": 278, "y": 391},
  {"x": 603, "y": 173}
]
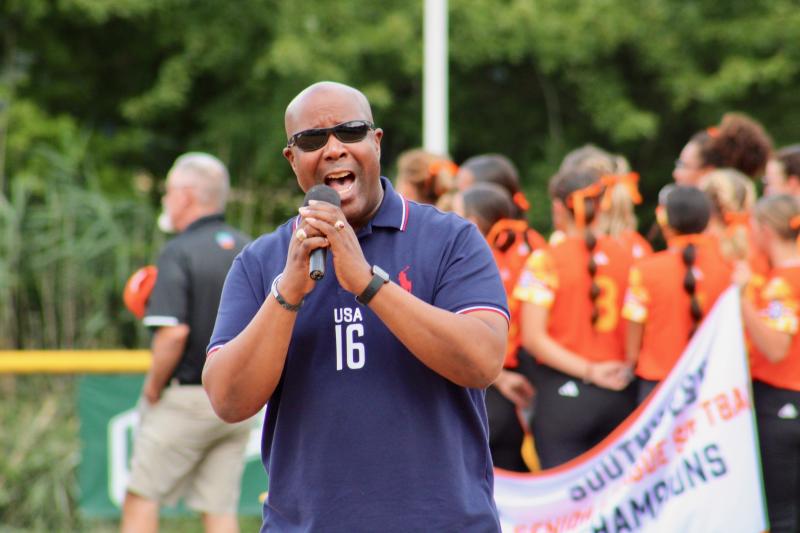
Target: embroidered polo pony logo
[{"x": 402, "y": 279}]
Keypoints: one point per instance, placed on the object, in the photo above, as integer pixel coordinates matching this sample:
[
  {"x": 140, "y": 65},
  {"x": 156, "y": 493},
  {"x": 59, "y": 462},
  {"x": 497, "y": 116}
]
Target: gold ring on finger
[
  {"x": 339, "y": 225},
  {"x": 301, "y": 234}
]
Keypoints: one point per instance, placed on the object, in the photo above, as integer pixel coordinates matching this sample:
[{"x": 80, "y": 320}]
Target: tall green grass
[
  {"x": 41, "y": 450},
  {"x": 66, "y": 251},
  {"x": 67, "y": 246}
]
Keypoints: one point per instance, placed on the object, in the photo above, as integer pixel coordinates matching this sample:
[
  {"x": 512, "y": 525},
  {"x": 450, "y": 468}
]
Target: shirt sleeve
[
  {"x": 469, "y": 279},
  {"x": 780, "y": 306},
  {"x": 239, "y": 303},
  {"x": 168, "y": 303},
  {"x": 637, "y": 298},
  {"x": 538, "y": 281}
]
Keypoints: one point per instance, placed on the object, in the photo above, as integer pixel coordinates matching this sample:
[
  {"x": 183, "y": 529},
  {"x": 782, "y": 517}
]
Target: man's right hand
[{"x": 151, "y": 391}]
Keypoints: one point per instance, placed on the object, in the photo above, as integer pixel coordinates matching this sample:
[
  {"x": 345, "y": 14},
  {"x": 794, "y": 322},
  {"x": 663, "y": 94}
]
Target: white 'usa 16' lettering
[{"x": 346, "y": 338}]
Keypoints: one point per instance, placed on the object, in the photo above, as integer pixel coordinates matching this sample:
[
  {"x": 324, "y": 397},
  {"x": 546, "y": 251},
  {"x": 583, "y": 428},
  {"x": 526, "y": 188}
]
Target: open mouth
[{"x": 341, "y": 181}]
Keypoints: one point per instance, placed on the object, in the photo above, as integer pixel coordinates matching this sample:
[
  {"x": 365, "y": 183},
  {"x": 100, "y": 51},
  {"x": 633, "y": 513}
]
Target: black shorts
[
  {"x": 571, "y": 417},
  {"x": 778, "y": 419},
  {"x": 505, "y": 430}
]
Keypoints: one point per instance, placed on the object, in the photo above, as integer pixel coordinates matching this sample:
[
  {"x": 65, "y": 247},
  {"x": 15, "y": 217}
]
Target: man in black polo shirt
[{"x": 182, "y": 449}]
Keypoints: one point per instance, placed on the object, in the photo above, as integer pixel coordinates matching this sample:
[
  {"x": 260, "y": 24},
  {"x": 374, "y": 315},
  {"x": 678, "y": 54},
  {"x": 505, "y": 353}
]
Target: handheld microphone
[{"x": 316, "y": 263}]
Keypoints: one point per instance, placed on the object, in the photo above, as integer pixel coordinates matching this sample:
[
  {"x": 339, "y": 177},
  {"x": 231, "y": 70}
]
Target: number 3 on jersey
[
  {"x": 345, "y": 342},
  {"x": 607, "y": 304}
]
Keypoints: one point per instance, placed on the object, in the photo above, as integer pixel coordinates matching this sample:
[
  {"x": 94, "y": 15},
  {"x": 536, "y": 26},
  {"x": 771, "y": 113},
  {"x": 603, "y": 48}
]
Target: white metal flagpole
[{"x": 435, "y": 104}]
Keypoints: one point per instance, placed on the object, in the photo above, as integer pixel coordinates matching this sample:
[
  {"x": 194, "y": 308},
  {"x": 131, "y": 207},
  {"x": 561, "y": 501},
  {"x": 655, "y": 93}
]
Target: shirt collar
[
  {"x": 217, "y": 217},
  {"x": 393, "y": 212}
]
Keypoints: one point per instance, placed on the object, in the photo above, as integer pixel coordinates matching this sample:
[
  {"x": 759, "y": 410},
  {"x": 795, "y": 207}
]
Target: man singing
[{"x": 374, "y": 374}]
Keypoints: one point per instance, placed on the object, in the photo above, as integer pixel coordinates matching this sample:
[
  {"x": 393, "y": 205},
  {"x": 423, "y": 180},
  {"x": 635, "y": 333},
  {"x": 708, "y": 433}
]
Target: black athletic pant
[
  {"x": 644, "y": 388},
  {"x": 777, "y": 416},
  {"x": 571, "y": 417},
  {"x": 505, "y": 431}
]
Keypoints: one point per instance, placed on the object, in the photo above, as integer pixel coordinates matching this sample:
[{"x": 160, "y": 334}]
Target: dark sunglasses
[{"x": 347, "y": 132}]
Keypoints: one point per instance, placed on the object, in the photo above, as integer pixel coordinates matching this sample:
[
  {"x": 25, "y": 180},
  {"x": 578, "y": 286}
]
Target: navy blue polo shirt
[{"x": 359, "y": 434}]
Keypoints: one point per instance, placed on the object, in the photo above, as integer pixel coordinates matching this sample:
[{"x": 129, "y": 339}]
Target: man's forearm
[
  {"x": 466, "y": 349},
  {"x": 241, "y": 376},
  {"x": 167, "y": 348}
]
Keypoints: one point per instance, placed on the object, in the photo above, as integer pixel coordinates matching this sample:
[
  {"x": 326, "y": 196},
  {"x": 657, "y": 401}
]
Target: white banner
[{"x": 685, "y": 461}]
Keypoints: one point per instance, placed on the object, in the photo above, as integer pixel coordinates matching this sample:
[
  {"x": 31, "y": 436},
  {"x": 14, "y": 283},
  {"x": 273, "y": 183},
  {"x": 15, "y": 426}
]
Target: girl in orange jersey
[
  {"x": 490, "y": 208},
  {"x": 571, "y": 295},
  {"x": 732, "y": 196},
  {"x": 738, "y": 142},
  {"x": 424, "y": 177},
  {"x": 783, "y": 172},
  {"x": 497, "y": 169},
  {"x": 772, "y": 320},
  {"x": 617, "y": 217},
  {"x": 670, "y": 292}
]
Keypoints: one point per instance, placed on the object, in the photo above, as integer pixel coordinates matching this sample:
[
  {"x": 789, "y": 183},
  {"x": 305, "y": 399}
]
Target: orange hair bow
[
  {"x": 737, "y": 218},
  {"x": 577, "y": 201},
  {"x": 713, "y": 131},
  {"x": 501, "y": 235},
  {"x": 794, "y": 222},
  {"x": 520, "y": 201},
  {"x": 630, "y": 181},
  {"x": 440, "y": 166}
]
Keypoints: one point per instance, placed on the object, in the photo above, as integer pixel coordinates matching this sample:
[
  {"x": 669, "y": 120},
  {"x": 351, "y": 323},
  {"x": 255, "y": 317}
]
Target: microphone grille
[{"x": 323, "y": 193}]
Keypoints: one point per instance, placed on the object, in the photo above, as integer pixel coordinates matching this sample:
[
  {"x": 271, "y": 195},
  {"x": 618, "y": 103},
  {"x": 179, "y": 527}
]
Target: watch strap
[{"x": 372, "y": 289}]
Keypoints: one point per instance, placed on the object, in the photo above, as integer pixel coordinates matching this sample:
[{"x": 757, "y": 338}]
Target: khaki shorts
[{"x": 182, "y": 449}]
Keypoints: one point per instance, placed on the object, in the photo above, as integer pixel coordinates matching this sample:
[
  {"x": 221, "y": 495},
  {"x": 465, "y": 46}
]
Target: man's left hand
[{"x": 352, "y": 269}]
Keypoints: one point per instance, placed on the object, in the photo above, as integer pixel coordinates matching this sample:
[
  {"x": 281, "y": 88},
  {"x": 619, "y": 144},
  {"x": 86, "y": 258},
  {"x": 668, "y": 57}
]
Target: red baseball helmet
[{"x": 138, "y": 289}]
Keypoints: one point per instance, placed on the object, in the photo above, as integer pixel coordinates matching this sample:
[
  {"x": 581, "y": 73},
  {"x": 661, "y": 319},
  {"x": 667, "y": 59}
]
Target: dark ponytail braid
[
  {"x": 590, "y": 206},
  {"x": 688, "y": 211},
  {"x": 594, "y": 289},
  {"x": 690, "y": 285},
  {"x": 580, "y": 192}
]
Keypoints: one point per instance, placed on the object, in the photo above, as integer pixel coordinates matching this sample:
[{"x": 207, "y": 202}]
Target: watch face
[{"x": 378, "y": 271}]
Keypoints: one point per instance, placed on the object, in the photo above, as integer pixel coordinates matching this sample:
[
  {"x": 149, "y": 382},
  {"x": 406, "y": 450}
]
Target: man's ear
[
  {"x": 289, "y": 155},
  {"x": 378, "y": 136}
]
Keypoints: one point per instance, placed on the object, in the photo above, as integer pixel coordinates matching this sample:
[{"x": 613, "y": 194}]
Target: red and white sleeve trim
[
  {"x": 500, "y": 311},
  {"x": 213, "y": 350}
]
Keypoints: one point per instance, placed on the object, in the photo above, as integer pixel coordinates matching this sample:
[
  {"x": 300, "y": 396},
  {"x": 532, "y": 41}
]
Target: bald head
[
  {"x": 318, "y": 95},
  {"x": 206, "y": 174}
]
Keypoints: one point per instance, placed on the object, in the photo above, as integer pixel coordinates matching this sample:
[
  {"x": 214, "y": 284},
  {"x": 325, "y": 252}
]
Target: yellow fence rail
[{"x": 74, "y": 361}]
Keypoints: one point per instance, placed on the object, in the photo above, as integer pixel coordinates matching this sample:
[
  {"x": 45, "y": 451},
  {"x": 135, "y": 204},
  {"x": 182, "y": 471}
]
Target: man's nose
[{"x": 334, "y": 148}]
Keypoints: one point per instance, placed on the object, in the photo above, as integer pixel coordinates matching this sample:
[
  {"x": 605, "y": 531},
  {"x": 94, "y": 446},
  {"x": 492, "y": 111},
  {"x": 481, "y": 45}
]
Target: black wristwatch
[{"x": 379, "y": 279}]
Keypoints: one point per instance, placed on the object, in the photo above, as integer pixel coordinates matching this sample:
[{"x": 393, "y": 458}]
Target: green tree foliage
[
  {"x": 97, "y": 98},
  {"x": 115, "y": 89}
]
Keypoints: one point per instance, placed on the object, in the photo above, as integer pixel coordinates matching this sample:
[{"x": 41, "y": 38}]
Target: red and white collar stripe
[{"x": 404, "y": 219}]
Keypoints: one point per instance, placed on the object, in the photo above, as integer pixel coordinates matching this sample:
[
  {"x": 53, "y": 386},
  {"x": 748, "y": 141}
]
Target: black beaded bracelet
[{"x": 286, "y": 305}]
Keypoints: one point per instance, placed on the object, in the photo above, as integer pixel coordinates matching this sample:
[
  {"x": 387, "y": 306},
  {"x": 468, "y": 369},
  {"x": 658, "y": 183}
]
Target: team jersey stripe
[
  {"x": 404, "y": 220},
  {"x": 157, "y": 321},
  {"x": 472, "y": 309}
]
